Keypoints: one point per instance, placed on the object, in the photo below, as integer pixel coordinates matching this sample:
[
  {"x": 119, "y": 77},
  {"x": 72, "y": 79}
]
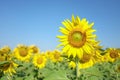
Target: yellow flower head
[
  {"x": 2, "y": 56},
  {"x": 72, "y": 64},
  {"x": 86, "y": 61},
  {"x": 34, "y": 49},
  {"x": 5, "y": 49},
  {"x": 111, "y": 54},
  {"x": 9, "y": 67},
  {"x": 48, "y": 54},
  {"x": 77, "y": 37},
  {"x": 39, "y": 61},
  {"x": 56, "y": 56},
  {"x": 5, "y": 53},
  {"x": 22, "y": 53}
]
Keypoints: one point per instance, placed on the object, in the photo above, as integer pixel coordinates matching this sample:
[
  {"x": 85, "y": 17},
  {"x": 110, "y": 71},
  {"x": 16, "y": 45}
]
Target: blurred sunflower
[
  {"x": 77, "y": 37},
  {"x": 5, "y": 53},
  {"x": 34, "y": 49},
  {"x": 22, "y": 53},
  {"x": 56, "y": 56},
  {"x": 2, "y": 56},
  {"x": 111, "y": 54},
  {"x": 39, "y": 61},
  {"x": 5, "y": 49},
  {"x": 48, "y": 54},
  {"x": 72, "y": 64},
  {"x": 86, "y": 61},
  {"x": 9, "y": 67}
]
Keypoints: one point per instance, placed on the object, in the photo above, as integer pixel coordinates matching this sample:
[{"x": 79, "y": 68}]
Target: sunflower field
[{"x": 79, "y": 56}]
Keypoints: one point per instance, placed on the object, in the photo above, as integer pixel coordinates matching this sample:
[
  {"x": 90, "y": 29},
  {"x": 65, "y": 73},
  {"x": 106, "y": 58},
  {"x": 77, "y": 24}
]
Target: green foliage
[
  {"x": 57, "y": 75},
  {"x": 101, "y": 71},
  {"x": 60, "y": 71}
]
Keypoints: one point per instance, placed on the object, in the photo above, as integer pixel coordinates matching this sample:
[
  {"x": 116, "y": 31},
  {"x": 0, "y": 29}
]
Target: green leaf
[
  {"x": 30, "y": 77},
  {"x": 4, "y": 78},
  {"x": 57, "y": 75}
]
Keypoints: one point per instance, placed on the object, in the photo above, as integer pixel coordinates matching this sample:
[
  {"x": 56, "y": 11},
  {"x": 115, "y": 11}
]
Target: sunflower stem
[{"x": 77, "y": 69}]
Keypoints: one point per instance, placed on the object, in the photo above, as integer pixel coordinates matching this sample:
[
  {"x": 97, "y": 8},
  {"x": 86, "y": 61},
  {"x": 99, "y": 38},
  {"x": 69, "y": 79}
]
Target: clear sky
[{"x": 38, "y": 21}]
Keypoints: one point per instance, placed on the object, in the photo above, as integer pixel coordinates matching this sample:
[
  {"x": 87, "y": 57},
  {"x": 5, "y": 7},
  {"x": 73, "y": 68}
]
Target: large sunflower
[
  {"x": 39, "y": 61},
  {"x": 22, "y": 53},
  {"x": 77, "y": 37}
]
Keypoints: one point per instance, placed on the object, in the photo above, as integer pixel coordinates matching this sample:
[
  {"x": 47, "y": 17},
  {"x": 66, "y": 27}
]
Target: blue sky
[{"x": 37, "y": 21}]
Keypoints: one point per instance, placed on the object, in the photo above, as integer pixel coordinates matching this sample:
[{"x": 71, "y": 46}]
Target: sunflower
[
  {"x": 72, "y": 64},
  {"x": 86, "y": 61},
  {"x": 39, "y": 61},
  {"x": 9, "y": 67},
  {"x": 111, "y": 54},
  {"x": 48, "y": 54},
  {"x": 34, "y": 49},
  {"x": 5, "y": 49},
  {"x": 2, "y": 56},
  {"x": 22, "y": 53},
  {"x": 77, "y": 37},
  {"x": 5, "y": 53},
  {"x": 56, "y": 56}
]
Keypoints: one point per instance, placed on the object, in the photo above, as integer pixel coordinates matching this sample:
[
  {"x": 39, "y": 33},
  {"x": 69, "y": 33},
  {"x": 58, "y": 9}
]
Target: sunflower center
[
  {"x": 86, "y": 58},
  {"x": 114, "y": 54},
  {"x": 77, "y": 38},
  {"x": 35, "y": 50},
  {"x": 23, "y": 53},
  {"x": 6, "y": 66},
  {"x": 40, "y": 60},
  {"x": 56, "y": 56}
]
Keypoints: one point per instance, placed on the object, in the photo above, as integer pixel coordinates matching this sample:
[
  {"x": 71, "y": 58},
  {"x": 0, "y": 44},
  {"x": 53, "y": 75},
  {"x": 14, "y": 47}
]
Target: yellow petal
[
  {"x": 78, "y": 54},
  {"x": 65, "y": 49},
  {"x": 73, "y": 52},
  {"x": 73, "y": 19},
  {"x": 69, "y": 54},
  {"x": 62, "y": 40},
  {"x": 90, "y": 31},
  {"x": 92, "y": 36},
  {"x": 87, "y": 49},
  {"x": 62, "y": 44},
  {"x": 91, "y": 25},
  {"x": 64, "y": 31},
  {"x": 67, "y": 25},
  {"x": 78, "y": 19},
  {"x": 70, "y": 23},
  {"x": 62, "y": 37},
  {"x": 83, "y": 20}
]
